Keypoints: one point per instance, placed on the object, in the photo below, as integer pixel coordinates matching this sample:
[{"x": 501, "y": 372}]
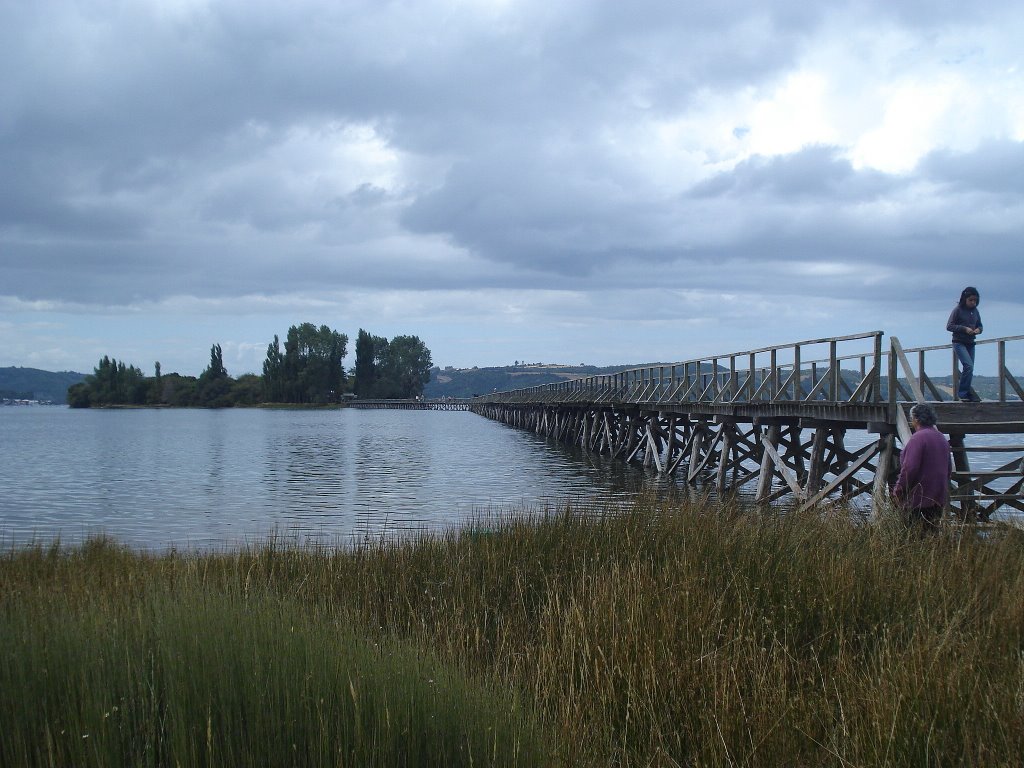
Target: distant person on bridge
[
  {"x": 965, "y": 324},
  {"x": 922, "y": 489}
]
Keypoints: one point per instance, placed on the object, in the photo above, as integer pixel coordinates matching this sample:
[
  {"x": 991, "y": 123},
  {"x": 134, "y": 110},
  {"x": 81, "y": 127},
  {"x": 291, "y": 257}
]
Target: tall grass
[
  {"x": 113, "y": 659},
  {"x": 667, "y": 635}
]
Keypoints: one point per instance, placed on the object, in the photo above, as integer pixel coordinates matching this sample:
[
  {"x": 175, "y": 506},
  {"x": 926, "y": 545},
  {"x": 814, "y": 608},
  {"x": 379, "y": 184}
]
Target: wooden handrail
[
  {"x": 707, "y": 376},
  {"x": 725, "y": 379}
]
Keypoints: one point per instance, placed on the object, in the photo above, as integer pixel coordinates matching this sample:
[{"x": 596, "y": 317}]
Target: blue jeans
[{"x": 965, "y": 354}]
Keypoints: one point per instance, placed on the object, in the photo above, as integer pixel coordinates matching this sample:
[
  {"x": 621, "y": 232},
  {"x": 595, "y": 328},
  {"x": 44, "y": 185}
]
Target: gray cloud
[
  {"x": 996, "y": 167},
  {"x": 815, "y": 173},
  {"x": 226, "y": 150}
]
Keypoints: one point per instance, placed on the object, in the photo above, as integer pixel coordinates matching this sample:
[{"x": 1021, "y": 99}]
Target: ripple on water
[{"x": 197, "y": 478}]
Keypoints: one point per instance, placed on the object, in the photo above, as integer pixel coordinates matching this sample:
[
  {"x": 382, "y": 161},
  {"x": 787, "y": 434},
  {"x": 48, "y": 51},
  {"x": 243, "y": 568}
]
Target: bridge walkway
[
  {"x": 414, "y": 404},
  {"x": 778, "y": 419}
]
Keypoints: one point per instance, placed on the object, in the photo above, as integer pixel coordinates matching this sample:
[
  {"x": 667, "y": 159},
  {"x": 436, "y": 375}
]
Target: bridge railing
[
  {"x": 933, "y": 374},
  {"x": 840, "y": 369},
  {"x": 836, "y": 369},
  {"x": 414, "y": 404}
]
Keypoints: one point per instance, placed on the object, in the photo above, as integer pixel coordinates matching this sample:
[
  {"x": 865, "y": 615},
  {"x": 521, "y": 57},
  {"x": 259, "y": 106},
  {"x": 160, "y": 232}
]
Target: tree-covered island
[{"x": 309, "y": 370}]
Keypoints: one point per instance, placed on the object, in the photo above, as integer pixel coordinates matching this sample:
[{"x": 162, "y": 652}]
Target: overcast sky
[{"x": 600, "y": 182}]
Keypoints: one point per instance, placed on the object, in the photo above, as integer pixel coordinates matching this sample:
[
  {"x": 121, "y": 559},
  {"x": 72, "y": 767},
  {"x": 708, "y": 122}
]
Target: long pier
[
  {"x": 414, "y": 404},
  {"x": 777, "y": 419}
]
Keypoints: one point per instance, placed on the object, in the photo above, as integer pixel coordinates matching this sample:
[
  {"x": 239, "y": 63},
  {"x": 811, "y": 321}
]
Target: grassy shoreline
[{"x": 665, "y": 635}]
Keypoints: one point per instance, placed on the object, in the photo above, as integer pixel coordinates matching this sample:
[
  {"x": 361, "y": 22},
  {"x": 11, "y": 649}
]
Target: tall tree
[
  {"x": 311, "y": 368},
  {"x": 112, "y": 383},
  {"x": 370, "y": 351},
  {"x": 391, "y": 369},
  {"x": 215, "y": 370},
  {"x": 273, "y": 372},
  {"x": 214, "y": 385},
  {"x": 156, "y": 387},
  {"x": 407, "y": 366}
]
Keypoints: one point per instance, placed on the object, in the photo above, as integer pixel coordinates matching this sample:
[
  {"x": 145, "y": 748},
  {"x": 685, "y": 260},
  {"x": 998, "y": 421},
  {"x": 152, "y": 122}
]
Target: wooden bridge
[
  {"x": 414, "y": 404},
  {"x": 778, "y": 418}
]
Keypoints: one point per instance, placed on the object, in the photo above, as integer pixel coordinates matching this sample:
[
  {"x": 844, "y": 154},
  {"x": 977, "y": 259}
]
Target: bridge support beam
[
  {"x": 804, "y": 460},
  {"x": 778, "y": 417}
]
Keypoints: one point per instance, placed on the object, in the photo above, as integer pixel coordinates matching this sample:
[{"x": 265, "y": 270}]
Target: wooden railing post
[
  {"x": 877, "y": 385},
  {"x": 798, "y": 390},
  {"x": 774, "y": 387},
  {"x": 733, "y": 383},
  {"x": 921, "y": 376},
  {"x": 752, "y": 377},
  {"x": 893, "y": 344},
  {"x": 1001, "y": 356},
  {"x": 833, "y": 371},
  {"x": 956, "y": 373}
]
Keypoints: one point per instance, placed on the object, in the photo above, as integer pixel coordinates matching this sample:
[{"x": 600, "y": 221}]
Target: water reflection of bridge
[{"x": 777, "y": 418}]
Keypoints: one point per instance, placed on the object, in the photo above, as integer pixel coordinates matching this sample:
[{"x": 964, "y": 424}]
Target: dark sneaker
[{"x": 966, "y": 400}]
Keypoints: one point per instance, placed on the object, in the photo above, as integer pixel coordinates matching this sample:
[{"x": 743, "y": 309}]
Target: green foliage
[
  {"x": 247, "y": 389},
  {"x": 155, "y": 386},
  {"x": 407, "y": 366},
  {"x": 310, "y": 370},
  {"x": 215, "y": 393},
  {"x": 178, "y": 390},
  {"x": 273, "y": 373},
  {"x": 313, "y": 371},
  {"x": 78, "y": 395},
  {"x": 369, "y": 359},
  {"x": 115, "y": 659},
  {"x": 215, "y": 370},
  {"x": 111, "y": 383},
  {"x": 399, "y": 368},
  {"x": 117, "y": 384},
  {"x": 213, "y": 389}
]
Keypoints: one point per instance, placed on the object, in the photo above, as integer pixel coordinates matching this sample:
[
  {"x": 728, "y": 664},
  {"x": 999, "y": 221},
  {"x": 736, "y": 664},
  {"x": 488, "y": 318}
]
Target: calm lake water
[
  {"x": 219, "y": 478},
  {"x": 215, "y": 478}
]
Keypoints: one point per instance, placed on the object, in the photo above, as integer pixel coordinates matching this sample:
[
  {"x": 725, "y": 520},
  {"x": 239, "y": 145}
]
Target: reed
[
  {"x": 113, "y": 659},
  {"x": 663, "y": 635}
]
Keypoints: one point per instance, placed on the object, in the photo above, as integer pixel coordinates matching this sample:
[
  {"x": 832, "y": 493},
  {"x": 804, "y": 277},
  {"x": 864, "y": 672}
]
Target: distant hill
[
  {"x": 466, "y": 382},
  {"x": 34, "y": 384}
]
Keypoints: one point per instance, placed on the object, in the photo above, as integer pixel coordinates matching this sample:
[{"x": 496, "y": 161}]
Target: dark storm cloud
[{"x": 144, "y": 146}]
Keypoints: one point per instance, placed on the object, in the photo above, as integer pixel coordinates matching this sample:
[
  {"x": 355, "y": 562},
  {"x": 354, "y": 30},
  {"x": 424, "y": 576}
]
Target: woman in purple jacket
[
  {"x": 965, "y": 323},
  {"x": 923, "y": 486}
]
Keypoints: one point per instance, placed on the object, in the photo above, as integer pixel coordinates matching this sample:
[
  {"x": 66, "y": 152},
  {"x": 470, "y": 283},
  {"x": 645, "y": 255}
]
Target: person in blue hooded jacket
[{"x": 965, "y": 324}]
